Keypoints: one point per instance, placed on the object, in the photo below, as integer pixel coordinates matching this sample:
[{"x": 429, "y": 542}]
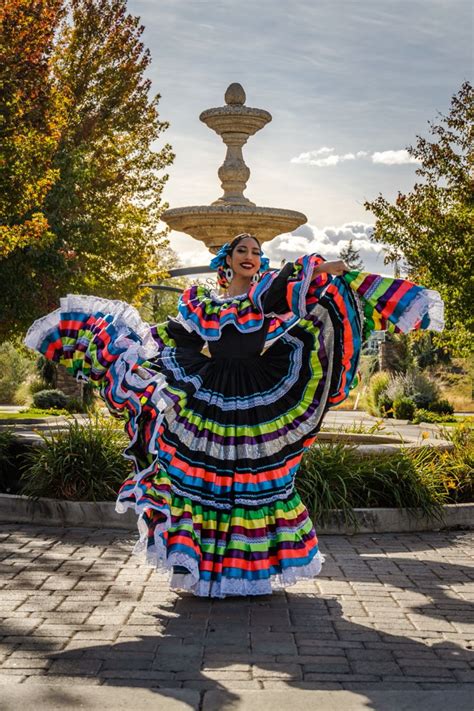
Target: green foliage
[
  {"x": 404, "y": 408},
  {"x": 432, "y": 227},
  {"x": 423, "y": 415},
  {"x": 6, "y": 442},
  {"x": 441, "y": 407},
  {"x": 31, "y": 118},
  {"x": 377, "y": 386},
  {"x": 158, "y": 304},
  {"x": 76, "y": 405},
  {"x": 16, "y": 366},
  {"x": 335, "y": 476},
  {"x": 24, "y": 392},
  {"x": 398, "y": 357},
  {"x": 12, "y": 450},
  {"x": 46, "y": 370},
  {"x": 403, "y": 396},
  {"x": 414, "y": 385},
  {"x": 34, "y": 413},
  {"x": 45, "y": 399},
  {"x": 454, "y": 470},
  {"x": 385, "y": 405},
  {"x": 425, "y": 351},
  {"x": 105, "y": 205},
  {"x": 351, "y": 256},
  {"x": 83, "y": 463}
]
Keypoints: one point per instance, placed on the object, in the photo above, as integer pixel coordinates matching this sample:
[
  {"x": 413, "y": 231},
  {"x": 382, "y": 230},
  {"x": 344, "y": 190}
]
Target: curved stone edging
[{"x": 101, "y": 514}]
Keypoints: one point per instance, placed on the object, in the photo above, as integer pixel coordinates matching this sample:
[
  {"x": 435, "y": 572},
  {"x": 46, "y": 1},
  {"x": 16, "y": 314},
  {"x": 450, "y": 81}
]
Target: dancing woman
[{"x": 221, "y": 401}]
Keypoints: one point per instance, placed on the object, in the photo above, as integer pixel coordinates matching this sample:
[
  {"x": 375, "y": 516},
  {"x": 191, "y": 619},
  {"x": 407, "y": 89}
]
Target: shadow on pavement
[{"x": 295, "y": 640}]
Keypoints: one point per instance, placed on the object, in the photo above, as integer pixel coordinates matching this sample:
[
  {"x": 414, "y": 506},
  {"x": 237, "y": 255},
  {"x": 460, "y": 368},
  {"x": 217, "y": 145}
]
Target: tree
[
  {"x": 105, "y": 205},
  {"x": 351, "y": 256},
  {"x": 31, "y": 119},
  {"x": 432, "y": 227}
]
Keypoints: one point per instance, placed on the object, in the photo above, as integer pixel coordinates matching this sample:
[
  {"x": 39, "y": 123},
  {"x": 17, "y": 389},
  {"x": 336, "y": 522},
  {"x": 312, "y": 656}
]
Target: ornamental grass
[
  {"x": 336, "y": 476},
  {"x": 81, "y": 463}
]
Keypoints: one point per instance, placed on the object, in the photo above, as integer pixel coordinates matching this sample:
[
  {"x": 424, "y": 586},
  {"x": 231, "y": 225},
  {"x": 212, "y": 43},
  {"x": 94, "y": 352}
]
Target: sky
[{"x": 349, "y": 84}]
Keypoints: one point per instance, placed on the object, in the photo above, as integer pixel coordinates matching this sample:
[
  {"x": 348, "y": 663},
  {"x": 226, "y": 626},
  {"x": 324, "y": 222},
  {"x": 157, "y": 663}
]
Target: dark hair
[{"x": 239, "y": 239}]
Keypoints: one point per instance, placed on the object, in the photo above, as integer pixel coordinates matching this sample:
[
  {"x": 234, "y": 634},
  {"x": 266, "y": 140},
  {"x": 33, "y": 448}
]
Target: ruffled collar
[{"x": 206, "y": 313}]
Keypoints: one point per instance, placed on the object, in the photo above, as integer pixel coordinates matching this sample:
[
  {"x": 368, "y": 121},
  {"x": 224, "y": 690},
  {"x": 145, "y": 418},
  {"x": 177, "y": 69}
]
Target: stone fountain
[{"x": 232, "y": 213}]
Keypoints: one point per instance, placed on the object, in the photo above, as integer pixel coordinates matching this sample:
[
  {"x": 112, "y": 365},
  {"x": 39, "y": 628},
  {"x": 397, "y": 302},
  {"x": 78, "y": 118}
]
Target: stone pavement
[{"x": 390, "y": 613}]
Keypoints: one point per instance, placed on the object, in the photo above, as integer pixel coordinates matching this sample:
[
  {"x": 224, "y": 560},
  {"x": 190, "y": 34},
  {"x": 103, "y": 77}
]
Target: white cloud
[
  {"x": 328, "y": 242},
  {"x": 306, "y": 239},
  {"x": 323, "y": 157},
  {"x": 313, "y": 157},
  {"x": 393, "y": 157}
]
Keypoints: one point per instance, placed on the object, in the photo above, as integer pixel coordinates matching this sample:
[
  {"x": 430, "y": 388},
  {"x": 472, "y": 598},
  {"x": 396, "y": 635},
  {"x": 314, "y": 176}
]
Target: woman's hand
[{"x": 337, "y": 268}]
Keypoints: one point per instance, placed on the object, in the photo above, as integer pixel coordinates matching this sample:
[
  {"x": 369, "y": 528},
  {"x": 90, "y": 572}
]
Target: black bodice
[{"x": 234, "y": 344}]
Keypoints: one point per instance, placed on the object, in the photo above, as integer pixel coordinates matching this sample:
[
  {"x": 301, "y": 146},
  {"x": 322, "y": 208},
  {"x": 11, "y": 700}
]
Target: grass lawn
[{"x": 33, "y": 414}]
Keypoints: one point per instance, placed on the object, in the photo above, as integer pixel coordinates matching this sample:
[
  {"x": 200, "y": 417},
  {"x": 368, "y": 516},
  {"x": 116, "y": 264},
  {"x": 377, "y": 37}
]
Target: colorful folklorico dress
[{"x": 220, "y": 404}]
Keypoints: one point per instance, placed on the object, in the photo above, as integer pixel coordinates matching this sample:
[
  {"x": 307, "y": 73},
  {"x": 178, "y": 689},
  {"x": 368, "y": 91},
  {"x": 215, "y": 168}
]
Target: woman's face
[{"x": 245, "y": 259}]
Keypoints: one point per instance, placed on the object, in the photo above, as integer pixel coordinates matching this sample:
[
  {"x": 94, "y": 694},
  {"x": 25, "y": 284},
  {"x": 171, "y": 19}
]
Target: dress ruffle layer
[{"x": 216, "y": 442}]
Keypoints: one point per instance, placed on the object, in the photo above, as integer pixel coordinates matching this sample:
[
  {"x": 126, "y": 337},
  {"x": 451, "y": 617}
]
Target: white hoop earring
[
  {"x": 229, "y": 274},
  {"x": 255, "y": 278}
]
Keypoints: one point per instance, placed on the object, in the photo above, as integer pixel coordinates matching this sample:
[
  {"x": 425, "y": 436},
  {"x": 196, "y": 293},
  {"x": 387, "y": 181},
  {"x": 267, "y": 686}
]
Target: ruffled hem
[
  {"x": 426, "y": 305},
  {"x": 157, "y": 558},
  {"x": 40, "y": 329},
  {"x": 124, "y": 315}
]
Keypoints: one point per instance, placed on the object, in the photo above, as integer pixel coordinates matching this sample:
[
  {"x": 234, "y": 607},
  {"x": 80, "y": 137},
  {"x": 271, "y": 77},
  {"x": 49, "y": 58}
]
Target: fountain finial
[{"x": 235, "y": 94}]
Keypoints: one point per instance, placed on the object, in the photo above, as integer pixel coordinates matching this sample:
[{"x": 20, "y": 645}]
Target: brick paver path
[{"x": 390, "y": 611}]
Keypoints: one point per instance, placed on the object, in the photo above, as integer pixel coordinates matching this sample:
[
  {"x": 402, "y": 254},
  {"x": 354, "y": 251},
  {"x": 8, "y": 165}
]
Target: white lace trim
[
  {"x": 179, "y": 318},
  {"x": 40, "y": 328},
  {"x": 190, "y": 582},
  {"x": 428, "y": 302}
]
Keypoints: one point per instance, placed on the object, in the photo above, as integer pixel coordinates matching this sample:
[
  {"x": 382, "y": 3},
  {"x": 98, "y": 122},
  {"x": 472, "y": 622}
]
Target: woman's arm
[
  {"x": 337, "y": 268},
  {"x": 298, "y": 286}
]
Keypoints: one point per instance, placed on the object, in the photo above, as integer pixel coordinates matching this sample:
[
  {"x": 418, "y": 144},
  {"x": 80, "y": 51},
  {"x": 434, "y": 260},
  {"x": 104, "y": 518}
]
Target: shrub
[
  {"x": 404, "y": 408},
  {"x": 414, "y": 385},
  {"x": 385, "y": 407},
  {"x": 46, "y": 369},
  {"x": 335, "y": 476},
  {"x": 15, "y": 367},
  {"x": 377, "y": 386},
  {"x": 45, "y": 399},
  {"x": 423, "y": 415},
  {"x": 22, "y": 395},
  {"x": 76, "y": 405},
  {"x": 13, "y": 451},
  {"x": 396, "y": 388},
  {"x": 454, "y": 469},
  {"x": 441, "y": 407},
  {"x": 7, "y": 461},
  {"x": 82, "y": 463},
  {"x": 38, "y": 413},
  {"x": 421, "y": 389},
  {"x": 25, "y": 391}
]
